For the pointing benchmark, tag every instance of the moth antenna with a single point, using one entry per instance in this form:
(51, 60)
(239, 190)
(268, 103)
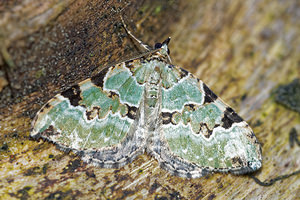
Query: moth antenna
(146, 47)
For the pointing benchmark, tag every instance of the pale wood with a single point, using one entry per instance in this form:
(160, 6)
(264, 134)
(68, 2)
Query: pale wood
(242, 49)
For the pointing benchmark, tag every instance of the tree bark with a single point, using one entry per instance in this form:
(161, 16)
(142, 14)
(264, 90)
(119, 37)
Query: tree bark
(242, 49)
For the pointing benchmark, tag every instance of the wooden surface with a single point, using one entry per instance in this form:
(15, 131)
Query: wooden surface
(242, 49)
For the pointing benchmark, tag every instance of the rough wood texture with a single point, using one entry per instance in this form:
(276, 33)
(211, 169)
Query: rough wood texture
(241, 49)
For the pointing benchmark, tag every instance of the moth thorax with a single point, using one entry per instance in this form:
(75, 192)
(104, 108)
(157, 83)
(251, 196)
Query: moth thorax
(152, 88)
(152, 100)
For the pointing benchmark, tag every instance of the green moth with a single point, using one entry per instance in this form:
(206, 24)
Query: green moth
(149, 105)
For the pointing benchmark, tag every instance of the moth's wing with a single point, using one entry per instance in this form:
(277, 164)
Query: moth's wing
(99, 117)
(199, 133)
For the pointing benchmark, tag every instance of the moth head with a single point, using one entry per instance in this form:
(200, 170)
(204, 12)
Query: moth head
(163, 46)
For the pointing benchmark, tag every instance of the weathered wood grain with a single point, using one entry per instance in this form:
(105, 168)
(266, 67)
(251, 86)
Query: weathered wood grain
(242, 49)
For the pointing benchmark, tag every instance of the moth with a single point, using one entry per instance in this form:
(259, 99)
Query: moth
(149, 105)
